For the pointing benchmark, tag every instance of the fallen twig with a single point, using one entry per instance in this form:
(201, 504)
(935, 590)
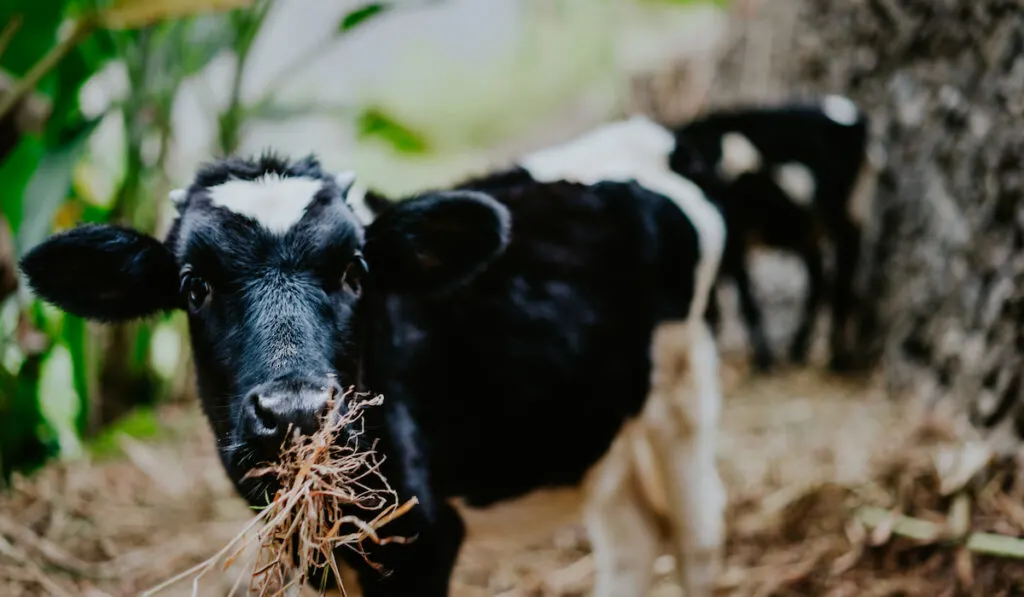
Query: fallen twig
(930, 532)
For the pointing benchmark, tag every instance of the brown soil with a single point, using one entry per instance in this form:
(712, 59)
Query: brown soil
(799, 453)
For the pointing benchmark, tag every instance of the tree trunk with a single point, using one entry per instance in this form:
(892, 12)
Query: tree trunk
(944, 83)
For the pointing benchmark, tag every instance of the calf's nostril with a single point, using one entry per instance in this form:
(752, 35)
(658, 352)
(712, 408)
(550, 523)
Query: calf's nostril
(263, 414)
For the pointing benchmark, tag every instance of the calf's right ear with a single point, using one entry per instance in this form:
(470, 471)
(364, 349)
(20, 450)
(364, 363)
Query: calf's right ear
(104, 273)
(435, 242)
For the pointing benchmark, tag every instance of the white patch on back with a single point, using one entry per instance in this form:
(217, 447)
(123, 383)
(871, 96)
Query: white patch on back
(611, 151)
(797, 181)
(638, 149)
(840, 110)
(275, 202)
(739, 156)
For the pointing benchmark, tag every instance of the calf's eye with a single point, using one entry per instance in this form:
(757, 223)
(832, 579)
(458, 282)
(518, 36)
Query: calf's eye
(198, 293)
(352, 279)
(195, 289)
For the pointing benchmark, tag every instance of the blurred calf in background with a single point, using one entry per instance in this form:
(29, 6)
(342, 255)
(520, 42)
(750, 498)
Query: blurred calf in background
(787, 177)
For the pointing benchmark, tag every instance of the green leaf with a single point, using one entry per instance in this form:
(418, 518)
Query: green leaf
(203, 38)
(134, 14)
(140, 423)
(15, 172)
(84, 61)
(59, 403)
(36, 35)
(165, 350)
(78, 341)
(361, 15)
(21, 448)
(373, 123)
(48, 188)
(273, 111)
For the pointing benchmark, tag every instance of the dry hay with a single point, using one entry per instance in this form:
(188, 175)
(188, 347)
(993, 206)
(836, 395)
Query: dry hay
(118, 526)
(325, 489)
(940, 517)
(803, 457)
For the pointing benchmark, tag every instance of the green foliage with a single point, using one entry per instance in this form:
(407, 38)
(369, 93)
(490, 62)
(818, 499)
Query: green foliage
(372, 123)
(45, 397)
(48, 188)
(51, 389)
(15, 172)
(59, 402)
(36, 34)
(141, 423)
(360, 15)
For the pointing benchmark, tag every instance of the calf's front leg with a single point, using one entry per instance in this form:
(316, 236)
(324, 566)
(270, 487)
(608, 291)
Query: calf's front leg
(422, 568)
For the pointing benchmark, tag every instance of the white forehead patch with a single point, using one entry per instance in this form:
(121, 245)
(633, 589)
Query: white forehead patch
(797, 181)
(840, 110)
(739, 156)
(275, 202)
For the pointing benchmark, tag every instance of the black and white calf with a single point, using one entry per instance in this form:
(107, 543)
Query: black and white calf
(786, 177)
(539, 343)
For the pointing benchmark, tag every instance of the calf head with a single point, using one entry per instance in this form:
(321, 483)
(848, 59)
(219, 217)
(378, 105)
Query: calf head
(700, 161)
(277, 276)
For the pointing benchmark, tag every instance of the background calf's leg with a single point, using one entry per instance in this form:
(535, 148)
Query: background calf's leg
(847, 244)
(683, 415)
(815, 291)
(751, 311)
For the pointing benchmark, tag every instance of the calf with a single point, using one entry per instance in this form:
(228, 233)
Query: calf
(539, 344)
(786, 177)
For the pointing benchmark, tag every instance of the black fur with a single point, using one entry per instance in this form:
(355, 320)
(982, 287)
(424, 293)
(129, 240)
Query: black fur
(105, 273)
(757, 210)
(437, 241)
(518, 376)
(234, 168)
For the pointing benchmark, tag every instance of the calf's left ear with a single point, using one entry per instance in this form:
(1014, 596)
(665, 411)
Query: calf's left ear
(435, 242)
(103, 272)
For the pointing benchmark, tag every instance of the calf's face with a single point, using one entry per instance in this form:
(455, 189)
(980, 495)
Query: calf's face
(276, 275)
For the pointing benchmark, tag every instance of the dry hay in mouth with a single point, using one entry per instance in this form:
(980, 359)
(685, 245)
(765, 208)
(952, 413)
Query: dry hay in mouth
(324, 485)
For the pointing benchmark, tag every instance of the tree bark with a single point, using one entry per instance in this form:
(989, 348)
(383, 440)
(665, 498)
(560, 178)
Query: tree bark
(944, 84)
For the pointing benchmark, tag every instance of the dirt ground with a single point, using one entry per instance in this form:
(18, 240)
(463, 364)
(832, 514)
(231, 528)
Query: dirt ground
(135, 521)
(800, 452)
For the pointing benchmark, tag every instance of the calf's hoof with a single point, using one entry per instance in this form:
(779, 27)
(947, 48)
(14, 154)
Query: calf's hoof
(842, 363)
(763, 361)
(798, 352)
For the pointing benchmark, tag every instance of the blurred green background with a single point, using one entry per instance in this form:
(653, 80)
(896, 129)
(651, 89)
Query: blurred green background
(105, 106)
